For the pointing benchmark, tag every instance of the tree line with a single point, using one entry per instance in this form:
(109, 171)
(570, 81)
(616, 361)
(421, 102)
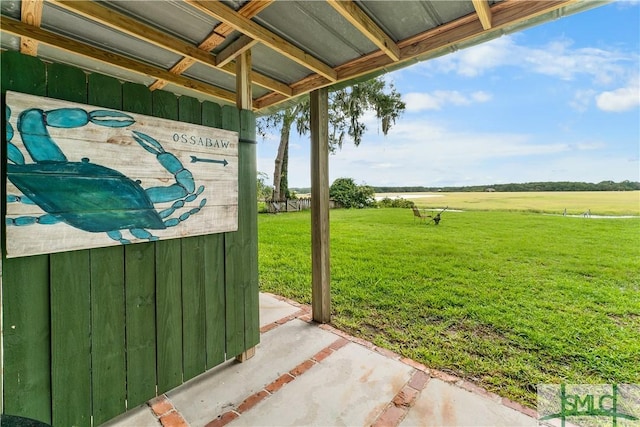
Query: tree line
(521, 187)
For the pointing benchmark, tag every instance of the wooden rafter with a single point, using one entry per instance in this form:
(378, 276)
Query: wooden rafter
(484, 12)
(191, 54)
(229, 53)
(17, 28)
(504, 14)
(30, 14)
(246, 26)
(215, 39)
(352, 13)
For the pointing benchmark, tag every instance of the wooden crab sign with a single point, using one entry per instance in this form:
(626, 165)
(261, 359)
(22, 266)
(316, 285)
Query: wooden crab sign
(82, 177)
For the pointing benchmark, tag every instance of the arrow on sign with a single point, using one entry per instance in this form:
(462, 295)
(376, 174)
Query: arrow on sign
(198, 159)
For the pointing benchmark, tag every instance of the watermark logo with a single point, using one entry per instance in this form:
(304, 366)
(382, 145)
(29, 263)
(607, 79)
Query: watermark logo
(588, 405)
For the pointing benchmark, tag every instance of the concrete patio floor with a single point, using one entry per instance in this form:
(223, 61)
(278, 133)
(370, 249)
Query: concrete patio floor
(305, 374)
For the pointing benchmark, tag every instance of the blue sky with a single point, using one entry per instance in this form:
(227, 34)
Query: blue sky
(557, 102)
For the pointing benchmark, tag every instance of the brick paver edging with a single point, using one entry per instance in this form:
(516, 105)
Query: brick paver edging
(167, 414)
(276, 385)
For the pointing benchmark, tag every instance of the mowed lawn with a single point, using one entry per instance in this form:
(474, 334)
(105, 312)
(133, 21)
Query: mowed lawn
(507, 300)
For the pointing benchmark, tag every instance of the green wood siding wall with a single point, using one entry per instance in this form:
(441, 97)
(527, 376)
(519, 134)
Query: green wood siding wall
(89, 334)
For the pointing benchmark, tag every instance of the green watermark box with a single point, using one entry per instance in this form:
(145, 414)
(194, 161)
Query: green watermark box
(589, 405)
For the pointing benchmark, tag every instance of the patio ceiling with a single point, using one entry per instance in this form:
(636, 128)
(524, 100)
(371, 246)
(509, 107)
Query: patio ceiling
(189, 47)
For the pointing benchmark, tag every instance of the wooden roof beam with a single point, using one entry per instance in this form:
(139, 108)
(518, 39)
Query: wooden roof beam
(17, 28)
(30, 14)
(235, 49)
(352, 13)
(246, 26)
(484, 12)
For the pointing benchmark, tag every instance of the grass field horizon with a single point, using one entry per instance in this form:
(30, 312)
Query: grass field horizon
(504, 298)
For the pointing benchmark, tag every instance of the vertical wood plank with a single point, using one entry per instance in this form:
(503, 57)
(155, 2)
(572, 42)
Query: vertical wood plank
(23, 73)
(193, 306)
(165, 105)
(70, 296)
(320, 269)
(108, 358)
(140, 297)
(189, 110)
(248, 225)
(234, 265)
(104, 91)
(26, 377)
(71, 338)
(168, 283)
(214, 270)
(26, 336)
(244, 243)
(211, 114)
(193, 276)
(66, 83)
(169, 313)
(136, 98)
(141, 315)
(214, 297)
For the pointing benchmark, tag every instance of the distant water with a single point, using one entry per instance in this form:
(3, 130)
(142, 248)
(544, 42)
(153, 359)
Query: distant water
(406, 196)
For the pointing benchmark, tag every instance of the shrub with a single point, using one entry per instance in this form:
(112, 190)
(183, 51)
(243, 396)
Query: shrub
(351, 195)
(398, 202)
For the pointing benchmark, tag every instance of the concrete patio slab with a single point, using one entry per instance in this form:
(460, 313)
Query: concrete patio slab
(349, 388)
(273, 309)
(444, 404)
(202, 399)
(140, 416)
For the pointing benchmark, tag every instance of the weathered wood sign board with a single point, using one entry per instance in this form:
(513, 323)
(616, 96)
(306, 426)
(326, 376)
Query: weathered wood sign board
(81, 177)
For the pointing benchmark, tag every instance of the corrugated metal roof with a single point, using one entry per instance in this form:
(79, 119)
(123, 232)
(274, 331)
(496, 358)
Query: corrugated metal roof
(301, 45)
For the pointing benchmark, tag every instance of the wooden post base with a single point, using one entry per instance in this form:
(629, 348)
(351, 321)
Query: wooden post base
(246, 355)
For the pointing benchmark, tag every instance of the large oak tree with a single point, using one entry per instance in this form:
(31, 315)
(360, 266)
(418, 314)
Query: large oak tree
(347, 108)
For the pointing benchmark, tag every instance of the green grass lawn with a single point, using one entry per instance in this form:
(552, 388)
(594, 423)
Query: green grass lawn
(505, 299)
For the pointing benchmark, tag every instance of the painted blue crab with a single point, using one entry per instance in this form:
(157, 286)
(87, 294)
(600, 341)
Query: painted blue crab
(89, 196)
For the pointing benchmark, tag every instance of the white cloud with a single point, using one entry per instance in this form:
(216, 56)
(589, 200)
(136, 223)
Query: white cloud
(621, 99)
(582, 99)
(557, 58)
(625, 4)
(476, 60)
(420, 101)
(481, 96)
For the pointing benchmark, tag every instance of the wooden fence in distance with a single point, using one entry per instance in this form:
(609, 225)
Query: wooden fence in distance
(294, 205)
